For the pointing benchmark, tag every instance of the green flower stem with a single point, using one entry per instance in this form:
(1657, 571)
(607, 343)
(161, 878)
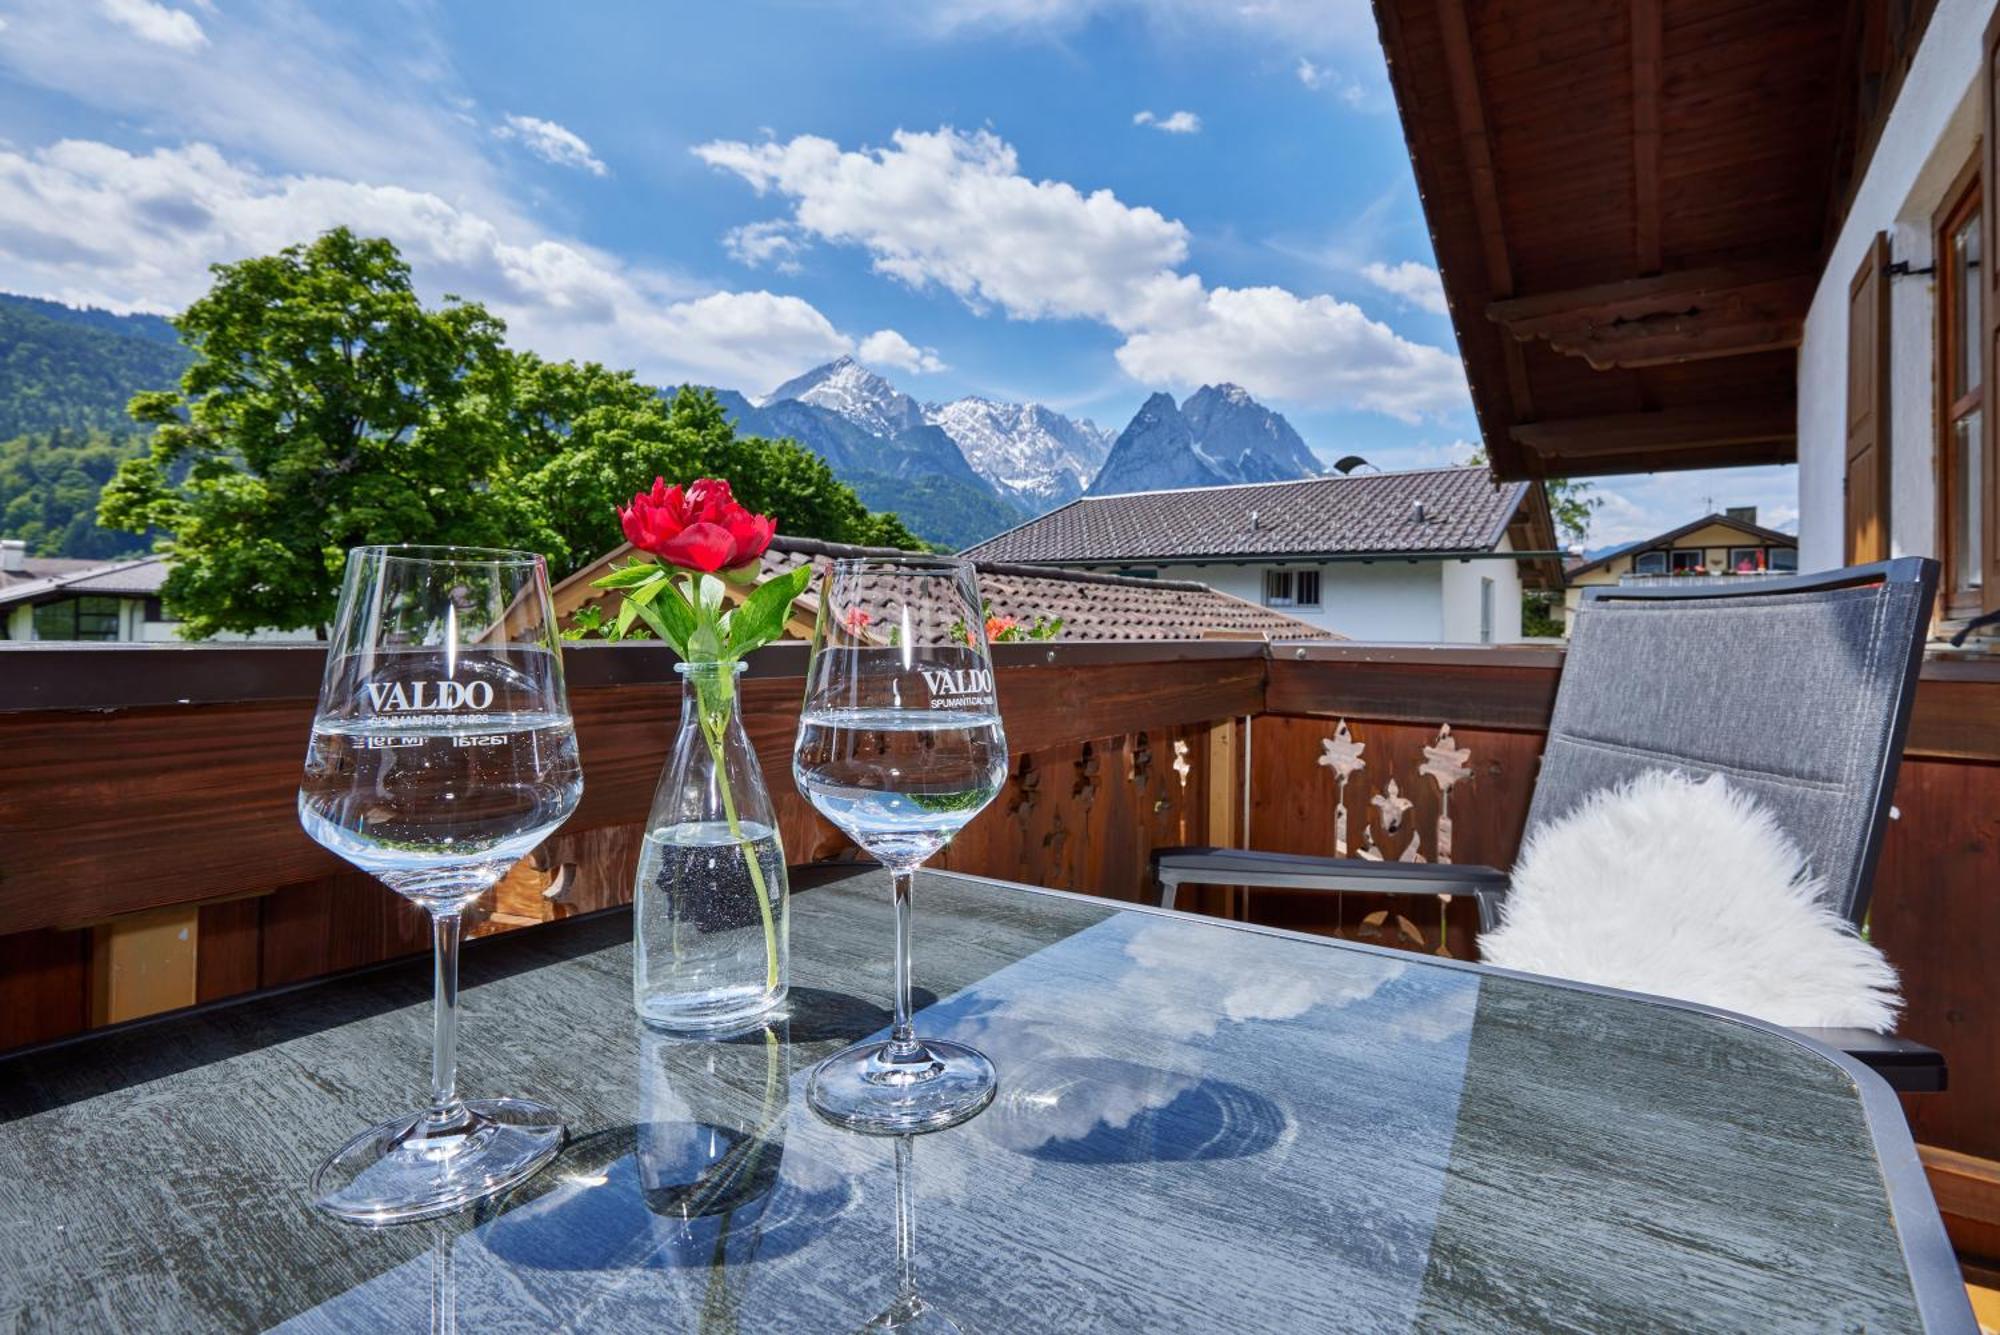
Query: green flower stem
(714, 723)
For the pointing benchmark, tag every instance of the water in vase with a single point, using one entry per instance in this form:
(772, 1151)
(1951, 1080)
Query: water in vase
(701, 958)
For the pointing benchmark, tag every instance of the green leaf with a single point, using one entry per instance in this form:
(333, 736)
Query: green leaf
(646, 593)
(712, 591)
(628, 612)
(654, 622)
(744, 574)
(676, 619)
(761, 618)
(624, 576)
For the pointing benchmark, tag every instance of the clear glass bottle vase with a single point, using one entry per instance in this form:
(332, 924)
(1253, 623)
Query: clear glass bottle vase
(711, 910)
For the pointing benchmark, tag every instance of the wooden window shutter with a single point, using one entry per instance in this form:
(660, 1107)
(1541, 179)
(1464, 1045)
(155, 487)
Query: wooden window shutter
(1989, 300)
(1868, 407)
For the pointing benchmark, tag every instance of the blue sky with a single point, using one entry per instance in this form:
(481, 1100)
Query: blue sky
(1075, 201)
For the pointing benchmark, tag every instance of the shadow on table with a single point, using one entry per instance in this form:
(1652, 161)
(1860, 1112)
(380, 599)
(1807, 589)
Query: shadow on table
(102, 1061)
(1101, 1110)
(663, 1197)
(818, 1014)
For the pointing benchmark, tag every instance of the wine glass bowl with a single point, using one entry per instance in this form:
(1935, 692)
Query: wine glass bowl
(900, 744)
(442, 753)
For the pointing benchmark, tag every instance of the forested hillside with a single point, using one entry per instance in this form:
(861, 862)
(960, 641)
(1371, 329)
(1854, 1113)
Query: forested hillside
(76, 369)
(49, 482)
(65, 378)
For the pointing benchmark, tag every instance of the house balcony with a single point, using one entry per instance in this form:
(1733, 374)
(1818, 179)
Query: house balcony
(151, 859)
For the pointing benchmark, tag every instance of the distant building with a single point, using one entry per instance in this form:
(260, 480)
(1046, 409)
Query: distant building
(1432, 556)
(1090, 606)
(60, 598)
(1727, 545)
(56, 598)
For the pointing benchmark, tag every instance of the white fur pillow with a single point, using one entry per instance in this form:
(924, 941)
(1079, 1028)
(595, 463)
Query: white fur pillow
(1689, 890)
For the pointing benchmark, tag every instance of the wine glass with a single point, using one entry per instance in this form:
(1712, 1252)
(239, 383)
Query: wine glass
(442, 753)
(900, 745)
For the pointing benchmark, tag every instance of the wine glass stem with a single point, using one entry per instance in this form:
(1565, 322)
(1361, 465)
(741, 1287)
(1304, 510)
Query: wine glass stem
(446, 1110)
(902, 1036)
(906, 1227)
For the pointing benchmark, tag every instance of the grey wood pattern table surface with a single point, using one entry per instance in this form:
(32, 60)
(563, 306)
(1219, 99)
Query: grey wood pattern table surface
(1201, 1126)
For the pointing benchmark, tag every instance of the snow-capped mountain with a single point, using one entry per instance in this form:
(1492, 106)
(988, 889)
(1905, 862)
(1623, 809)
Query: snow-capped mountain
(846, 387)
(1218, 435)
(1032, 453)
(1246, 440)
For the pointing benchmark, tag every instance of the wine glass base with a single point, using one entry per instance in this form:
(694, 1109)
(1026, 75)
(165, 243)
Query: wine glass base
(397, 1172)
(914, 1317)
(862, 1089)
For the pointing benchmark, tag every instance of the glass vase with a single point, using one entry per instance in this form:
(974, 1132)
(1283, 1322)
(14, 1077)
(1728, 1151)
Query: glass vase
(711, 910)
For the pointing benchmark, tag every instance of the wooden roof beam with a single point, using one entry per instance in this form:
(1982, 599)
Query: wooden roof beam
(1646, 80)
(1687, 315)
(1710, 426)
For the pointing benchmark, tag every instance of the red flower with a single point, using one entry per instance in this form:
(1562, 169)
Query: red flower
(855, 620)
(702, 528)
(996, 627)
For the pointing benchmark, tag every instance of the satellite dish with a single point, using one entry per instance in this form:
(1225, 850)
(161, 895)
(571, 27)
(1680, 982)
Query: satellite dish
(1350, 463)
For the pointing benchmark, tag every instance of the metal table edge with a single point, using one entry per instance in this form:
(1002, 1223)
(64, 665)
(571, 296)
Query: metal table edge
(1935, 1280)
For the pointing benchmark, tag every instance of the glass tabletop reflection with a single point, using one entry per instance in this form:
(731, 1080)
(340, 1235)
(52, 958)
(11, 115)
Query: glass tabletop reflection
(1199, 1126)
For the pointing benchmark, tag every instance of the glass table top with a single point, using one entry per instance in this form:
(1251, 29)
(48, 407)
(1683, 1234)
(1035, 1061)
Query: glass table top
(1199, 1126)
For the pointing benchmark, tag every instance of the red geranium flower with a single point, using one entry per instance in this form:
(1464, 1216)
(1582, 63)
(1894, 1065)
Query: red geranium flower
(855, 620)
(702, 528)
(998, 626)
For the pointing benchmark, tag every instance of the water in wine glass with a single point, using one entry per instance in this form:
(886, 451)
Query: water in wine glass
(901, 782)
(439, 806)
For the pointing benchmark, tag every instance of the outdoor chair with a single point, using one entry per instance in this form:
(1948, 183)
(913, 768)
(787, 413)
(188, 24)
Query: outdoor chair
(1798, 689)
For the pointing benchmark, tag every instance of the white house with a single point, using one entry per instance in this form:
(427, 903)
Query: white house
(1896, 449)
(1428, 556)
(59, 598)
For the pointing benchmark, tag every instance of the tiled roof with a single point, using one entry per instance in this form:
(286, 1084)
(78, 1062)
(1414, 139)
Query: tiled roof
(1462, 510)
(38, 568)
(1091, 607)
(138, 577)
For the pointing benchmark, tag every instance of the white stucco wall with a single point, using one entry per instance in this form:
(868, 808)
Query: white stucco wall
(1385, 602)
(1929, 137)
(1462, 579)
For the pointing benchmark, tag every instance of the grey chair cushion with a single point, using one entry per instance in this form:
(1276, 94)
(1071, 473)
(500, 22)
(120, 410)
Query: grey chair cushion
(1795, 696)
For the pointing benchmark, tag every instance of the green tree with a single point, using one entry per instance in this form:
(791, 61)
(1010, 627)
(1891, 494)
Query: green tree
(587, 438)
(327, 408)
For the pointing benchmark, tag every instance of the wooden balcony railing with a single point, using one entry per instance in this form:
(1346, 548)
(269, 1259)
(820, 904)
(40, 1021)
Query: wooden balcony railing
(150, 855)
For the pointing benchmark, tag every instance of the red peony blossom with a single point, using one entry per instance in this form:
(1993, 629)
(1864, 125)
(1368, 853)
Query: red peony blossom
(702, 528)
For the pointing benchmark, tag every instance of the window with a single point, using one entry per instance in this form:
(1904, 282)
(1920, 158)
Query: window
(1961, 403)
(1688, 561)
(1650, 563)
(1746, 560)
(78, 619)
(1785, 558)
(1291, 588)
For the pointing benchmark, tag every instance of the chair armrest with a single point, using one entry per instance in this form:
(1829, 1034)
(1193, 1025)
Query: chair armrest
(1906, 1064)
(1175, 867)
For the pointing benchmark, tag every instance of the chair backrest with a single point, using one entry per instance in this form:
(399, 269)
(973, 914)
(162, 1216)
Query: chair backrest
(1798, 690)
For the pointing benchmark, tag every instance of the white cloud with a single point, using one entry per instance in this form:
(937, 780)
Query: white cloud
(1306, 349)
(551, 143)
(885, 348)
(952, 210)
(1178, 122)
(88, 222)
(156, 23)
(1311, 75)
(776, 243)
(1322, 23)
(362, 92)
(1415, 284)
